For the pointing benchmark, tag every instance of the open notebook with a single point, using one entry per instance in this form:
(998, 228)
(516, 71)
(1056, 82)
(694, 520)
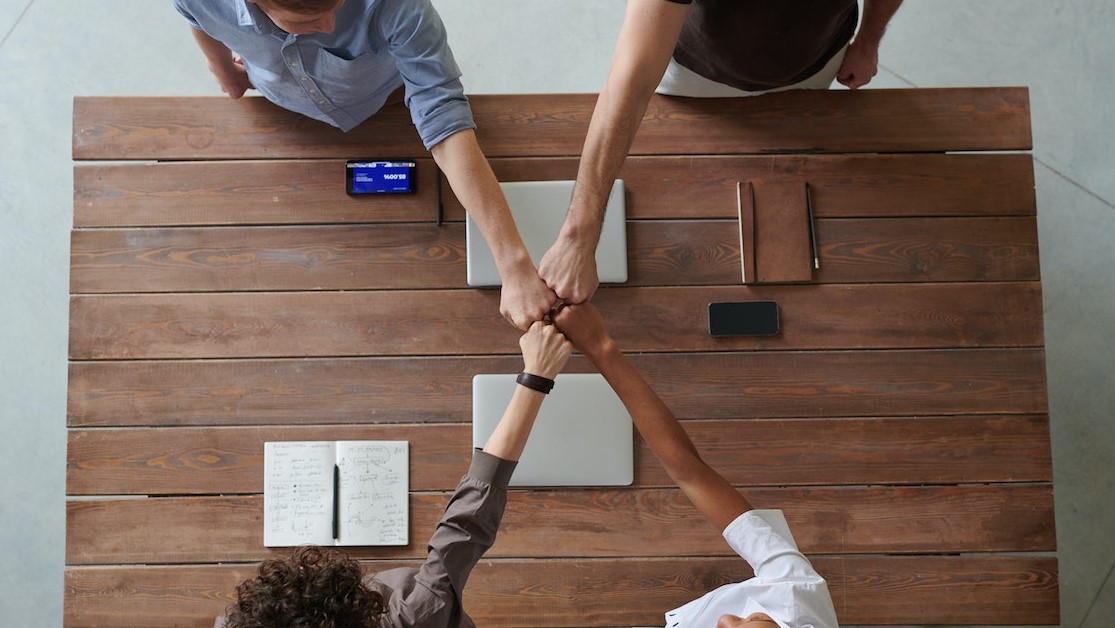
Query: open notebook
(539, 209)
(582, 437)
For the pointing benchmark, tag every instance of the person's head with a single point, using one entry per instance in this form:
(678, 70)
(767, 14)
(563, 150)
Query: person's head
(314, 587)
(302, 17)
(754, 620)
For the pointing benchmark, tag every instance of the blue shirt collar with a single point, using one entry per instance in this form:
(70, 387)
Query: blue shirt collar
(248, 14)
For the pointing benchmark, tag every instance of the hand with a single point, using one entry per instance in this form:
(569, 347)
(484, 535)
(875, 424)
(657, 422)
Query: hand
(525, 299)
(583, 325)
(569, 269)
(545, 350)
(861, 63)
(233, 79)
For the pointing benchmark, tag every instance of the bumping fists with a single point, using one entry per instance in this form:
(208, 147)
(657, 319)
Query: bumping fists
(545, 350)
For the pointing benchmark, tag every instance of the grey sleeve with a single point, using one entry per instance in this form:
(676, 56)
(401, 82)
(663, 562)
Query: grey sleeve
(466, 530)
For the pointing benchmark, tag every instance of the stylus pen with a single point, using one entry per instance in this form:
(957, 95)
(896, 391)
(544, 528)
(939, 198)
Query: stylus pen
(439, 210)
(336, 499)
(812, 227)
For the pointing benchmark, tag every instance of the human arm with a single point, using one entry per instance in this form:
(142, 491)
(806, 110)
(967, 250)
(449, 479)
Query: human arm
(225, 66)
(646, 41)
(417, 41)
(472, 517)
(708, 490)
(524, 297)
(861, 60)
(545, 351)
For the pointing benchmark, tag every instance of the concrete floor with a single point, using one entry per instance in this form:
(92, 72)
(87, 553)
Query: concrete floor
(52, 50)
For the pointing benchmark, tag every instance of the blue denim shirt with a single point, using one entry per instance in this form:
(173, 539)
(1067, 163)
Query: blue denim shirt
(344, 77)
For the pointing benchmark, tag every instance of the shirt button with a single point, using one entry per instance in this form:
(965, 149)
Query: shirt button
(294, 64)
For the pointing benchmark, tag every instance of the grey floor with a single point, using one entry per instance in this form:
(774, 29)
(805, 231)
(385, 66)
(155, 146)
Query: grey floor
(52, 50)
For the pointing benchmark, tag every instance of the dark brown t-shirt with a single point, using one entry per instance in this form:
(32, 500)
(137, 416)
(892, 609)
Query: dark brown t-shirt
(756, 45)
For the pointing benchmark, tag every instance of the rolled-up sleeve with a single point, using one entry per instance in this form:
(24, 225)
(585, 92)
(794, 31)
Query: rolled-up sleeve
(763, 539)
(416, 39)
(181, 8)
(466, 530)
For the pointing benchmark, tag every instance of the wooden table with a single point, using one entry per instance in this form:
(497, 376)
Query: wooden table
(225, 292)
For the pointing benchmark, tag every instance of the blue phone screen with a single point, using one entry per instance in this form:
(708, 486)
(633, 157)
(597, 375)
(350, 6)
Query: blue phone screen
(380, 177)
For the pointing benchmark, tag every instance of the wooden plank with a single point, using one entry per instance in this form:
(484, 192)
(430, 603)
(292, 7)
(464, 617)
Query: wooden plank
(268, 258)
(606, 592)
(928, 249)
(312, 191)
(586, 522)
(755, 452)
(509, 125)
(389, 323)
(844, 186)
(250, 192)
(423, 390)
(662, 253)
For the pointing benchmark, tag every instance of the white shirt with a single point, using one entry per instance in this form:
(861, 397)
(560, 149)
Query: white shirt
(785, 586)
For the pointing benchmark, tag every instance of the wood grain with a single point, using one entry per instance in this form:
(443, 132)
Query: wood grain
(656, 187)
(592, 523)
(247, 192)
(725, 385)
(516, 125)
(865, 590)
(428, 257)
(755, 452)
(397, 323)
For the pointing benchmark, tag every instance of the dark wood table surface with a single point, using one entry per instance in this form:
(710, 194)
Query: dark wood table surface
(225, 292)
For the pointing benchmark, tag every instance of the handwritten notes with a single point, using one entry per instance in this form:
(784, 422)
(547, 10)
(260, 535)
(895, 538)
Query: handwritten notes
(369, 503)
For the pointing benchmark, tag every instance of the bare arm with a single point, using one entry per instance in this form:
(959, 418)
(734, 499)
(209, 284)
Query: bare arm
(646, 41)
(707, 489)
(545, 351)
(524, 298)
(861, 61)
(226, 67)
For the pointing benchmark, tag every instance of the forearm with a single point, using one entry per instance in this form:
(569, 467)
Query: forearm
(876, 15)
(655, 422)
(646, 41)
(467, 170)
(510, 436)
(615, 121)
(217, 55)
(714, 496)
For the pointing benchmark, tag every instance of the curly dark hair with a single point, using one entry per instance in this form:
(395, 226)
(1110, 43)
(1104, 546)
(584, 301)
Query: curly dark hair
(314, 588)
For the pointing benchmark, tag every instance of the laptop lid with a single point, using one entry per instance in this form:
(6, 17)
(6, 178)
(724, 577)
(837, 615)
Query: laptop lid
(582, 436)
(539, 209)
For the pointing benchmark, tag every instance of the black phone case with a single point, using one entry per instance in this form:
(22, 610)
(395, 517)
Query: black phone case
(743, 318)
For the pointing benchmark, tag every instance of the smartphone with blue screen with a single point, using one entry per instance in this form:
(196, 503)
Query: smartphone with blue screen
(368, 176)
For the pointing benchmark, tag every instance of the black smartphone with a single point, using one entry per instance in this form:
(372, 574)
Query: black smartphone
(366, 176)
(743, 318)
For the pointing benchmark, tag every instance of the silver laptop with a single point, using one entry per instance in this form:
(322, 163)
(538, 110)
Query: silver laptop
(539, 209)
(582, 437)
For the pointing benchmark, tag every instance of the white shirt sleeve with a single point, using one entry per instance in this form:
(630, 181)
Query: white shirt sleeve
(763, 539)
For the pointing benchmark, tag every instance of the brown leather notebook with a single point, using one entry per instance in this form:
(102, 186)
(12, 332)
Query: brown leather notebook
(775, 233)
